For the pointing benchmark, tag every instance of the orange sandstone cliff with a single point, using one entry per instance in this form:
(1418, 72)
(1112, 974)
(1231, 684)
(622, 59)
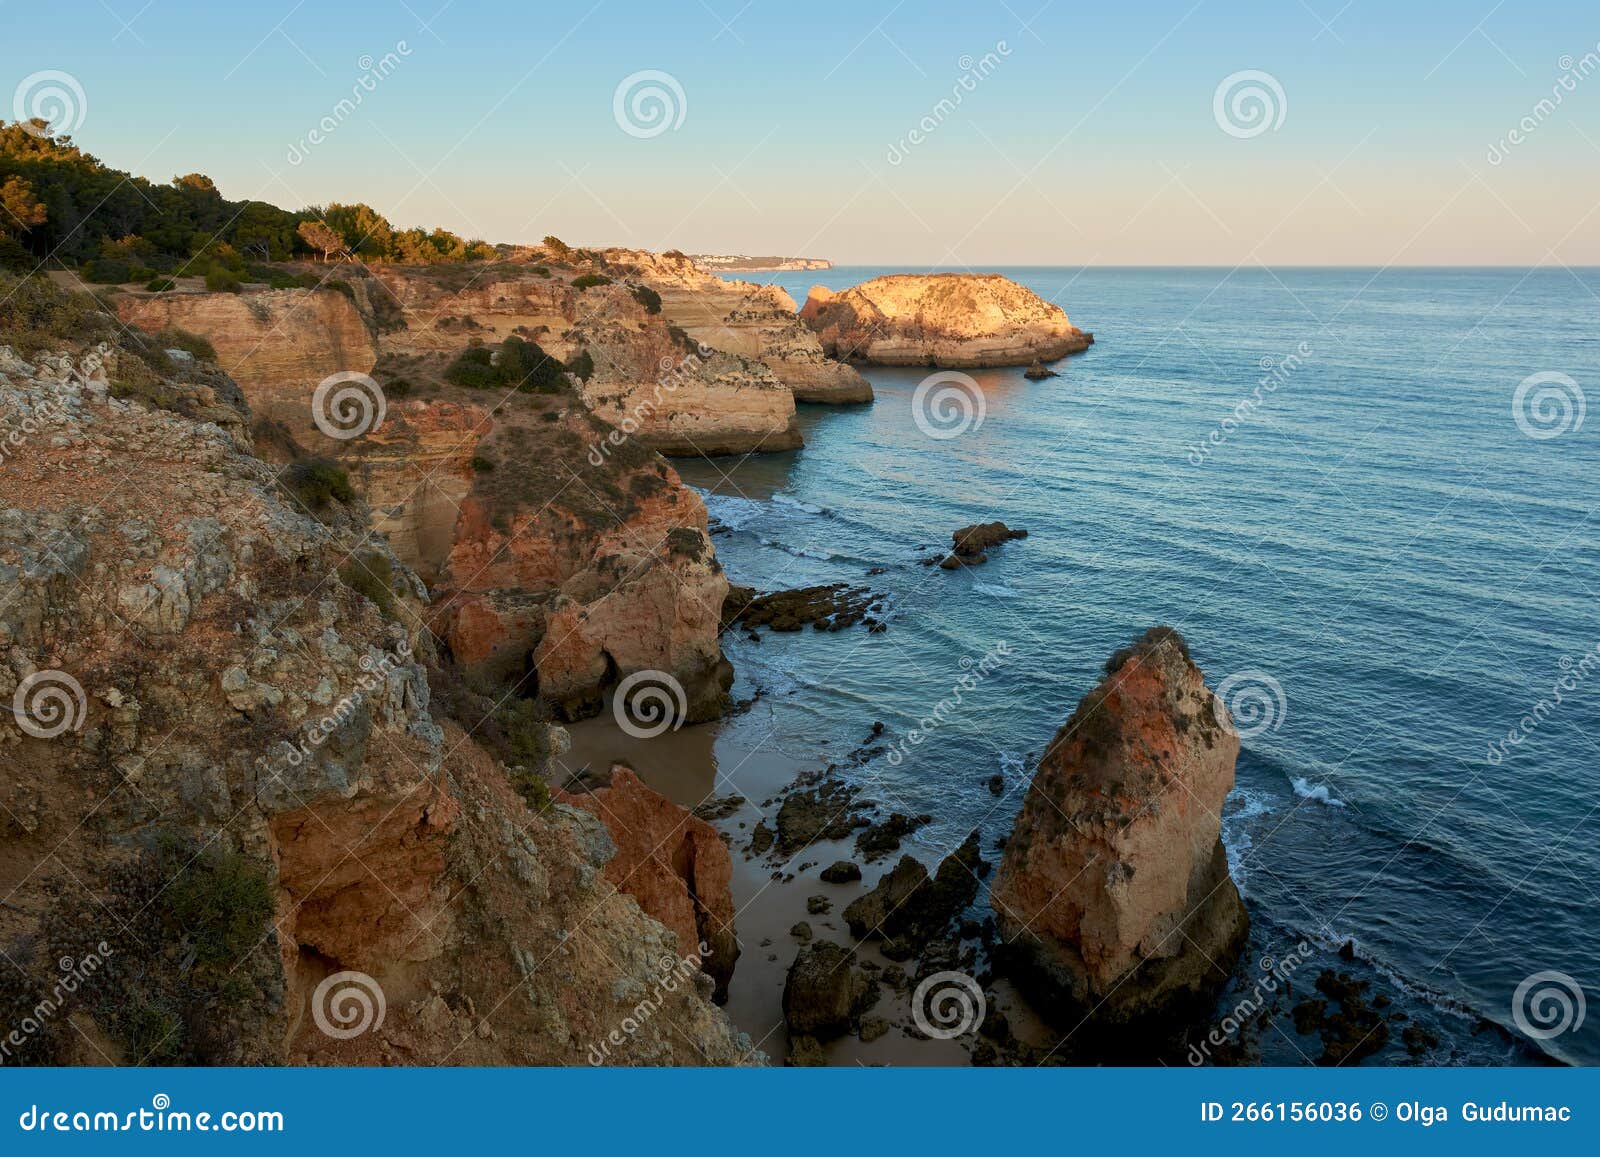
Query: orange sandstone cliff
(951, 320)
(1113, 896)
(230, 779)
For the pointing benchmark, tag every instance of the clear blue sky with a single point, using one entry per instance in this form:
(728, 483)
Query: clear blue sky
(1093, 137)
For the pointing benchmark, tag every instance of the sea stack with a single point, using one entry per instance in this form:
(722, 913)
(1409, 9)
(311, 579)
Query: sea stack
(951, 320)
(1113, 896)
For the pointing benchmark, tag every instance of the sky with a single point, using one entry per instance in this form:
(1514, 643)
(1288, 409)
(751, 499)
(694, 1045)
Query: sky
(925, 134)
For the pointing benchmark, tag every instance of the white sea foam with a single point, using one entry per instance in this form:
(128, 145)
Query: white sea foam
(731, 510)
(796, 504)
(996, 591)
(815, 552)
(1304, 789)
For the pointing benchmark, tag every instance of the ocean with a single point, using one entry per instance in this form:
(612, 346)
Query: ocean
(1336, 485)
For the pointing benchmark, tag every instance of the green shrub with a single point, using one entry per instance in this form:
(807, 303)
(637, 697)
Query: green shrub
(190, 977)
(482, 465)
(108, 271)
(582, 366)
(160, 284)
(473, 368)
(647, 297)
(317, 480)
(191, 343)
(370, 575)
(220, 279)
(589, 281)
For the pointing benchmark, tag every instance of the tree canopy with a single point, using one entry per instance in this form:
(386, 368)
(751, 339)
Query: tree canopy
(58, 201)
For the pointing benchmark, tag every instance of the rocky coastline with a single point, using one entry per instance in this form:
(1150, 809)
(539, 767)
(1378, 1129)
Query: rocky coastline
(945, 320)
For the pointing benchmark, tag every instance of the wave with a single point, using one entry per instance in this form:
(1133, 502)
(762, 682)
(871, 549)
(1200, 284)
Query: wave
(731, 510)
(1305, 790)
(797, 504)
(799, 551)
(996, 590)
(1236, 841)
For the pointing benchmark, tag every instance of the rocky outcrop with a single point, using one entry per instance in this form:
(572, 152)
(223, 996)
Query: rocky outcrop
(238, 793)
(674, 864)
(909, 908)
(952, 320)
(553, 542)
(277, 344)
(753, 321)
(1113, 896)
(676, 396)
(970, 545)
(825, 991)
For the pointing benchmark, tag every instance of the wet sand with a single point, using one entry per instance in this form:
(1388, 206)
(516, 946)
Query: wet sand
(739, 755)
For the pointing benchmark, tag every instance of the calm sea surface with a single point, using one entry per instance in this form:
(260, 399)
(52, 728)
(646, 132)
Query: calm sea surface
(1396, 569)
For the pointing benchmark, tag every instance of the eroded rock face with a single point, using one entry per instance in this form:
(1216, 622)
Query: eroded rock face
(953, 320)
(277, 344)
(240, 694)
(674, 864)
(1113, 896)
(754, 321)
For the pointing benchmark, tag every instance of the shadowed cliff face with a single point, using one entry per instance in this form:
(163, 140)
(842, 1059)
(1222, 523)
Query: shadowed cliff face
(952, 320)
(1113, 896)
(209, 689)
(673, 863)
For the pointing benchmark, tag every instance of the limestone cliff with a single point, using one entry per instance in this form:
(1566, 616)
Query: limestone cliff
(673, 863)
(1113, 896)
(554, 544)
(951, 320)
(277, 344)
(225, 780)
(751, 320)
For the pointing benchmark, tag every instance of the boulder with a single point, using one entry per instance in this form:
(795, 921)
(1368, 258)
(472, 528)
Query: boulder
(825, 992)
(674, 864)
(1113, 895)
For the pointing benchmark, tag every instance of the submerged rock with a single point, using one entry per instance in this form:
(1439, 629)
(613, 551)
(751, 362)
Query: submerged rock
(970, 544)
(1113, 895)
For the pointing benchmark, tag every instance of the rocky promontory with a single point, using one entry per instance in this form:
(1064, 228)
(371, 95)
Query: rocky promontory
(235, 774)
(1113, 897)
(951, 320)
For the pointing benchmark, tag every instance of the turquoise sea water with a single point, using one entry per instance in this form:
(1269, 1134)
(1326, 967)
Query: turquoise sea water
(1380, 538)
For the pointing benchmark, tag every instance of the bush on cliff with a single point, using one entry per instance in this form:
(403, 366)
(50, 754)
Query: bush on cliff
(517, 363)
(220, 279)
(314, 482)
(647, 297)
(370, 575)
(590, 281)
(191, 968)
